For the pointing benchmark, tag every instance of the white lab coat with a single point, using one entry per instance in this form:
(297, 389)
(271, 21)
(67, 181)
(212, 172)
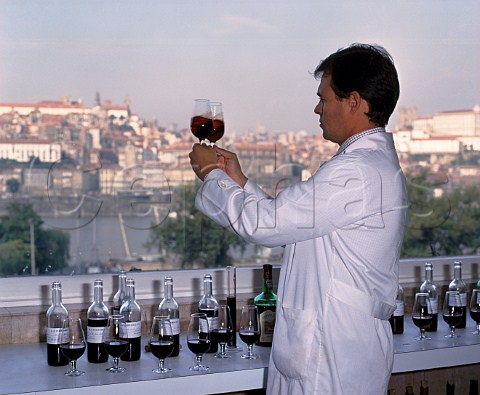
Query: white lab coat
(342, 230)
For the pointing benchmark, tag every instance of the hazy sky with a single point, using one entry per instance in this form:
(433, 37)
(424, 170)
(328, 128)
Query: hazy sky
(256, 56)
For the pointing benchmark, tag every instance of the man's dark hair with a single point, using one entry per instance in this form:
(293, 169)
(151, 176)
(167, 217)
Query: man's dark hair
(368, 70)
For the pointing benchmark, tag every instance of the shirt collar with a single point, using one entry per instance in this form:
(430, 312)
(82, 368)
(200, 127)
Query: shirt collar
(356, 137)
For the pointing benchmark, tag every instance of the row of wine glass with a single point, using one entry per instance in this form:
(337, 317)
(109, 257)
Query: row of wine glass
(201, 330)
(452, 312)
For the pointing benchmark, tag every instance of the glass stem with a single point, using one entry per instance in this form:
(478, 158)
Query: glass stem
(222, 348)
(199, 359)
(250, 349)
(73, 364)
(115, 362)
(160, 363)
(478, 328)
(452, 331)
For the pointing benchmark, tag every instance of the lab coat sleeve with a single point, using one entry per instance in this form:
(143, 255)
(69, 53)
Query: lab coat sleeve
(335, 197)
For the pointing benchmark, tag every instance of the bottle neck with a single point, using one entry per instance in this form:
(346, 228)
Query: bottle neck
(130, 290)
(457, 272)
(207, 288)
(428, 274)
(122, 283)
(267, 280)
(168, 293)
(98, 293)
(56, 296)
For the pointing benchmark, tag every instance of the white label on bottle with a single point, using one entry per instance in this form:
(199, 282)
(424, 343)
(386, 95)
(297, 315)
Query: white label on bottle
(433, 308)
(213, 323)
(267, 323)
(456, 300)
(399, 308)
(175, 322)
(204, 325)
(478, 298)
(94, 334)
(133, 329)
(463, 299)
(54, 335)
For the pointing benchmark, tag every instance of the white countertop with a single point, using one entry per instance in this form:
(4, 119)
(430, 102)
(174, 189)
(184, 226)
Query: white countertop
(23, 367)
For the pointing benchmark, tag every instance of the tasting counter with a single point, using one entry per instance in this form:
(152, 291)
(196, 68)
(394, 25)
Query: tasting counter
(24, 370)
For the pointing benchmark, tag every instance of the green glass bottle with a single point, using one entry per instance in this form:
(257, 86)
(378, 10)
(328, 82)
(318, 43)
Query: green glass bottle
(266, 303)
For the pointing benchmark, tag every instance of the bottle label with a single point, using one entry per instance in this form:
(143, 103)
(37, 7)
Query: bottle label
(463, 299)
(132, 330)
(54, 335)
(267, 323)
(175, 325)
(433, 308)
(399, 308)
(204, 325)
(212, 323)
(94, 334)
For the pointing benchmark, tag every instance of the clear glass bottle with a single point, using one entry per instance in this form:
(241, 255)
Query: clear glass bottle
(97, 317)
(133, 324)
(207, 305)
(429, 287)
(457, 284)
(169, 307)
(266, 303)
(56, 314)
(121, 294)
(397, 318)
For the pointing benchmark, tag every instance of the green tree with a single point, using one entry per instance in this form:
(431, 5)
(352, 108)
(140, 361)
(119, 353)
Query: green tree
(51, 246)
(13, 185)
(191, 236)
(441, 225)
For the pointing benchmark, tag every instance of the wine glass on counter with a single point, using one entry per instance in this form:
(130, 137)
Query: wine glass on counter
(223, 330)
(161, 341)
(218, 128)
(422, 315)
(201, 123)
(249, 329)
(198, 339)
(73, 344)
(452, 311)
(115, 341)
(475, 309)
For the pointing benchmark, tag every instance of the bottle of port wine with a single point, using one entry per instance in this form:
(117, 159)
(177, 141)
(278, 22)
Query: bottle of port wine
(169, 307)
(429, 287)
(457, 284)
(133, 324)
(207, 305)
(121, 294)
(397, 318)
(56, 314)
(97, 318)
(266, 303)
(232, 304)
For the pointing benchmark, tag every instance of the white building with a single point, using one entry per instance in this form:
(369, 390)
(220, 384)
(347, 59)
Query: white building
(24, 150)
(451, 123)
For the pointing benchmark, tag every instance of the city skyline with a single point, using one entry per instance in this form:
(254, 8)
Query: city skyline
(256, 58)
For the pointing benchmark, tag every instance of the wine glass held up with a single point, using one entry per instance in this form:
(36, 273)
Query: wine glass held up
(161, 341)
(249, 329)
(201, 123)
(115, 341)
(475, 309)
(198, 339)
(218, 128)
(452, 311)
(223, 330)
(422, 315)
(73, 344)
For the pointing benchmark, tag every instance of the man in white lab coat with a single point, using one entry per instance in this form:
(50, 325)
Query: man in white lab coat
(342, 230)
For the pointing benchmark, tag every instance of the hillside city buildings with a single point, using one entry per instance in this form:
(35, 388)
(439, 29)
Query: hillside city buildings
(66, 148)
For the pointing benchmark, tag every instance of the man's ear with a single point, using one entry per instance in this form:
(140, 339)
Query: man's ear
(357, 103)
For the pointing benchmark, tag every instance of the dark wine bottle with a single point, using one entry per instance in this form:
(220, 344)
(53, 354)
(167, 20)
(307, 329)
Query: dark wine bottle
(397, 318)
(133, 324)
(232, 304)
(97, 317)
(450, 389)
(207, 305)
(457, 284)
(409, 390)
(121, 294)
(429, 287)
(56, 314)
(169, 307)
(424, 387)
(266, 303)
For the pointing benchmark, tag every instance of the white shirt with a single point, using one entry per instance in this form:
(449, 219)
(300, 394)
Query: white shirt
(342, 230)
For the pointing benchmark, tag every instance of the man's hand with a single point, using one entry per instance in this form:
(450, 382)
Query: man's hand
(228, 162)
(203, 160)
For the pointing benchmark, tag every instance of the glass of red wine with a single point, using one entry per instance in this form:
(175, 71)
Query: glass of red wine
(218, 123)
(201, 123)
(161, 341)
(452, 311)
(475, 309)
(198, 339)
(223, 329)
(249, 330)
(422, 315)
(73, 344)
(115, 341)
